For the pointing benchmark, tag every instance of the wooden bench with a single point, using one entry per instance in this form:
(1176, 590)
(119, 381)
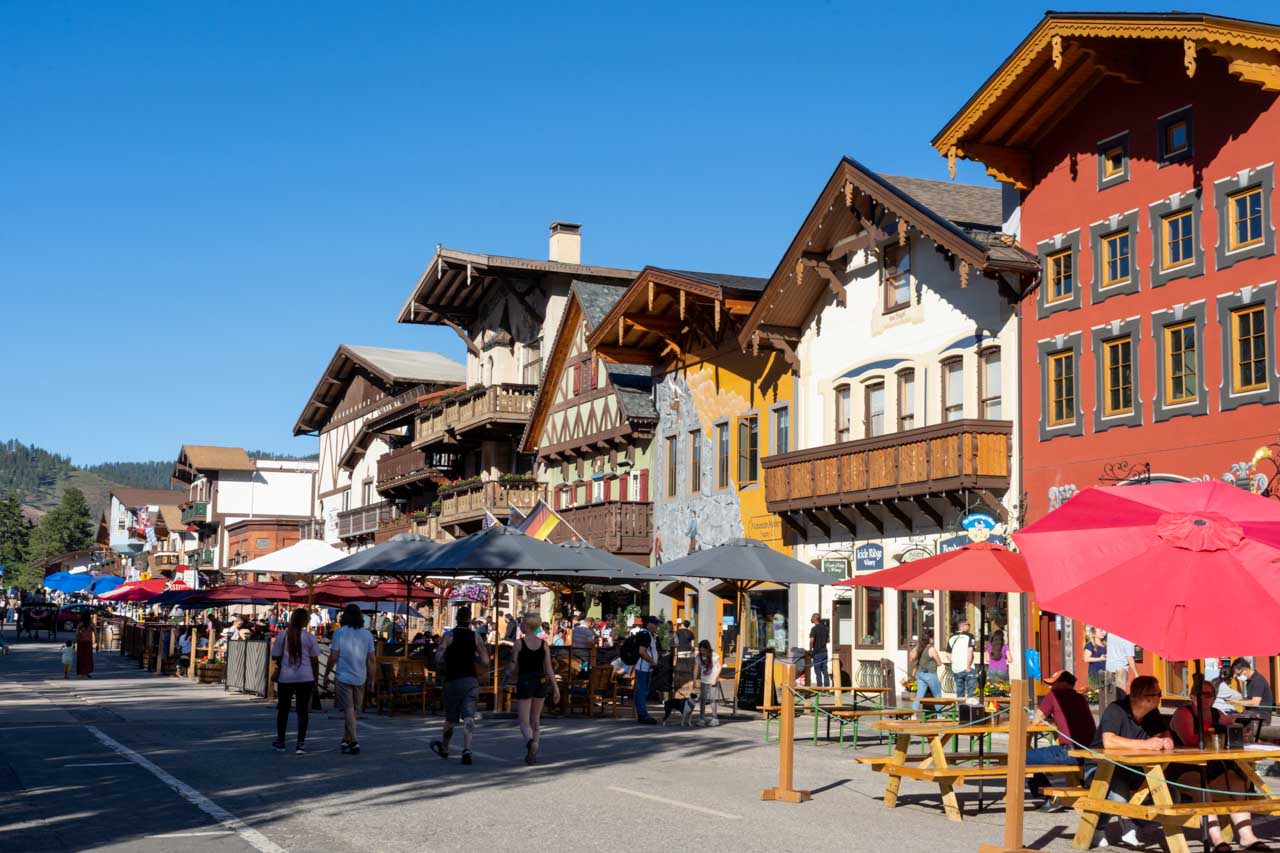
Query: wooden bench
(1190, 812)
(854, 715)
(1065, 795)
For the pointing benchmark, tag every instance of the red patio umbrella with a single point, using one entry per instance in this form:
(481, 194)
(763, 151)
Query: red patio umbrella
(337, 591)
(1187, 570)
(136, 590)
(977, 567)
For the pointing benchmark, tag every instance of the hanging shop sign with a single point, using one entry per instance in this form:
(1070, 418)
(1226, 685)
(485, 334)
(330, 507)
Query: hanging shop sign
(869, 557)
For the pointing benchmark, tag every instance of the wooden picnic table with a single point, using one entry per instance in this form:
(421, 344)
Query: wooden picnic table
(846, 713)
(1154, 800)
(937, 766)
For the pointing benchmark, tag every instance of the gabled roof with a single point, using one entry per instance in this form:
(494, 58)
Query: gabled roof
(632, 384)
(148, 497)
(171, 519)
(205, 457)
(1068, 54)
(858, 209)
(455, 281)
(392, 370)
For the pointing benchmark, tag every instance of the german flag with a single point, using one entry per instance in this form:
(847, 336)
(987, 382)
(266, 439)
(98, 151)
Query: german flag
(540, 522)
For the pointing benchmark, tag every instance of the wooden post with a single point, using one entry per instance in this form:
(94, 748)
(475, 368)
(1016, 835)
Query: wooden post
(191, 663)
(784, 675)
(1015, 784)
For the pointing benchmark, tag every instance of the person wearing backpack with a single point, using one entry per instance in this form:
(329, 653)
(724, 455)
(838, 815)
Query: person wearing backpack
(960, 648)
(640, 650)
(460, 652)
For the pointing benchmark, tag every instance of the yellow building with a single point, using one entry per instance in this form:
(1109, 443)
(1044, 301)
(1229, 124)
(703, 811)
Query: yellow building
(720, 411)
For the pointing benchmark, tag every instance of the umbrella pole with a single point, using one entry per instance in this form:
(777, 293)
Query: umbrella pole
(1197, 691)
(742, 647)
(406, 617)
(982, 685)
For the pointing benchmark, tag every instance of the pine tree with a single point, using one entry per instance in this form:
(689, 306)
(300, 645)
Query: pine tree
(67, 527)
(15, 530)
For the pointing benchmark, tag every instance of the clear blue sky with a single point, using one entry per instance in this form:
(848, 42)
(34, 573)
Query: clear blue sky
(199, 202)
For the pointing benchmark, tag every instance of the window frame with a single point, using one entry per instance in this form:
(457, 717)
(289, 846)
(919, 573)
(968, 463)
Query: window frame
(1167, 240)
(1237, 360)
(1099, 233)
(1167, 156)
(984, 356)
(1101, 337)
(1112, 386)
(1169, 332)
(868, 388)
(695, 461)
(1228, 252)
(1233, 224)
(776, 414)
(673, 465)
(903, 376)
(1162, 408)
(724, 455)
(1056, 247)
(1108, 259)
(1058, 259)
(843, 413)
(888, 283)
(752, 468)
(1229, 307)
(1054, 359)
(1160, 214)
(944, 367)
(1107, 178)
(861, 601)
(910, 601)
(1045, 349)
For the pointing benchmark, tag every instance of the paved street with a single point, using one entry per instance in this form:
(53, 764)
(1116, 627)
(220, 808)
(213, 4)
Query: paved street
(129, 761)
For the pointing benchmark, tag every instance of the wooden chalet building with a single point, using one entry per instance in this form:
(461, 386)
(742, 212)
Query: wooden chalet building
(372, 483)
(1140, 148)
(506, 310)
(719, 411)
(895, 304)
(591, 430)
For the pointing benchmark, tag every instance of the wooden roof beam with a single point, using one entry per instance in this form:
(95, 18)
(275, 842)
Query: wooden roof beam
(1260, 67)
(627, 355)
(823, 269)
(656, 324)
(1007, 165)
(846, 246)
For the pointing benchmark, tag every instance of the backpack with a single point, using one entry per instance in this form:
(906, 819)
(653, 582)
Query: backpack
(630, 653)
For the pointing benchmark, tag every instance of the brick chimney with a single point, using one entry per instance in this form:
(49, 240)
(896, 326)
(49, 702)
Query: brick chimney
(566, 242)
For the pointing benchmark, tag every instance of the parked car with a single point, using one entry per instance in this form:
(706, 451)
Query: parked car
(71, 615)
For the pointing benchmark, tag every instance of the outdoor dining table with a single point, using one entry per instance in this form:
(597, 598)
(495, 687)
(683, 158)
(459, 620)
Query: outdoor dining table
(813, 695)
(1154, 800)
(937, 766)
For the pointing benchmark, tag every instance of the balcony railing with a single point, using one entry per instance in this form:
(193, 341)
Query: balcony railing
(313, 529)
(364, 520)
(620, 527)
(965, 454)
(467, 504)
(419, 523)
(447, 420)
(406, 466)
(201, 557)
(195, 512)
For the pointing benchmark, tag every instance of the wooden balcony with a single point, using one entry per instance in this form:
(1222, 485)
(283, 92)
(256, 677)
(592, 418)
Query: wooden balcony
(490, 408)
(354, 523)
(899, 472)
(420, 523)
(462, 508)
(407, 467)
(620, 527)
(195, 512)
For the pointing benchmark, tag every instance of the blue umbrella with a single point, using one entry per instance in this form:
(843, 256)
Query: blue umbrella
(67, 582)
(104, 583)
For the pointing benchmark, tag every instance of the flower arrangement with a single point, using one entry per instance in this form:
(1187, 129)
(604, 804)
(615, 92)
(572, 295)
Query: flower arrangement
(909, 685)
(995, 687)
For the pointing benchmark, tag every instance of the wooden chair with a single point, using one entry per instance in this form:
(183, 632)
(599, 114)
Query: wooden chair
(406, 683)
(603, 689)
(624, 692)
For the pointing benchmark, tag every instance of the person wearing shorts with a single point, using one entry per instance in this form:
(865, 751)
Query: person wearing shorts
(352, 651)
(458, 656)
(534, 679)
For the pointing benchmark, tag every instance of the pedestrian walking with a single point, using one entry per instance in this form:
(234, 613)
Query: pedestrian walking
(960, 648)
(925, 659)
(297, 657)
(68, 659)
(645, 638)
(352, 652)
(84, 647)
(462, 657)
(1121, 668)
(1095, 654)
(819, 637)
(706, 670)
(534, 679)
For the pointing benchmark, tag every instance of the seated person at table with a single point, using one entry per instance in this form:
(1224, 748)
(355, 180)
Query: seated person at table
(1257, 692)
(1221, 775)
(1068, 711)
(1134, 724)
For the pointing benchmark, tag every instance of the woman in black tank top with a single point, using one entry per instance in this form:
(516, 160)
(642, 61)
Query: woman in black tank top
(534, 679)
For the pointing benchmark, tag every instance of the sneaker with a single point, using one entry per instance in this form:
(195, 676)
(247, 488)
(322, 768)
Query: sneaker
(647, 721)
(277, 745)
(345, 748)
(1130, 838)
(354, 748)
(300, 749)
(714, 722)
(531, 752)
(437, 746)
(466, 756)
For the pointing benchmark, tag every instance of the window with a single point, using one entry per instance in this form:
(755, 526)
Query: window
(695, 462)
(1246, 218)
(1062, 388)
(906, 400)
(1180, 367)
(782, 429)
(869, 620)
(1248, 349)
(1113, 161)
(874, 409)
(1174, 136)
(1118, 377)
(261, 544)
(1177, 240)
(915, 615)
(991, 386)
(722, 456)
(1115, 259)
(952, 390)
(673, 464)
(1061, 276)
(366, 493)
(895, 274)
(597, 490)
(748, 449)
(842, 413)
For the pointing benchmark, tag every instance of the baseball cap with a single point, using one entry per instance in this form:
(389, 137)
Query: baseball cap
(651, 620)
(1062, 675)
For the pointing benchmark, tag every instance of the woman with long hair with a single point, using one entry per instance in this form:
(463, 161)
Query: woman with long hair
(535, 677)
(997, 653)
(706, 672)
(297, 657)
(84, 646)
(924, 659)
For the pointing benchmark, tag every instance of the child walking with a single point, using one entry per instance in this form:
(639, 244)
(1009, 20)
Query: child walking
(68, 658)
(706, 671)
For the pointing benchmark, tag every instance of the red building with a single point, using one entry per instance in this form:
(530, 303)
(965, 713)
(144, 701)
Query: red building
(1142, 151)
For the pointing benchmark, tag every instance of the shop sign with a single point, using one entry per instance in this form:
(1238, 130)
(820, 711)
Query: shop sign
(869, 557)
(766, 528)
(964, 539)
(915, 552)
(837, 567)
(978, 526)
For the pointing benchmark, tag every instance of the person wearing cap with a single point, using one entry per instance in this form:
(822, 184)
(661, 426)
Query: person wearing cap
(1068, 711)
(644, 668)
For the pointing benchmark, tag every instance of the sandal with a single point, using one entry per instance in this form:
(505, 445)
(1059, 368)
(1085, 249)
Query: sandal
(1258, 845)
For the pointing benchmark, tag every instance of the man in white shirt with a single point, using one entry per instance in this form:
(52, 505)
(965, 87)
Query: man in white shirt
(314, 622)
(960, 647)
(1121, 667)
(644, 669)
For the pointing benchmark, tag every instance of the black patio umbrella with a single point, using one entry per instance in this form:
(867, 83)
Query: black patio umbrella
(743, 565)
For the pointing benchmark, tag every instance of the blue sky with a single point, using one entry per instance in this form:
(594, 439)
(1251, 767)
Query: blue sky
(201, 201)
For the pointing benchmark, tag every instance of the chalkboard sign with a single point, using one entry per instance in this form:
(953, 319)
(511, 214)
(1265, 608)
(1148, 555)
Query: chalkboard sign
(751, 683)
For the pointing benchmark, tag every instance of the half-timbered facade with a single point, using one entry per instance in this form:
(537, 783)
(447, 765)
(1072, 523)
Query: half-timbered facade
(895, 303)
(591, 431)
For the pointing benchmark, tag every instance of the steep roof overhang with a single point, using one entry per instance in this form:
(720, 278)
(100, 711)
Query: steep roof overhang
(856, 210)
(342, 368)
(666, 318)
(1068, 54)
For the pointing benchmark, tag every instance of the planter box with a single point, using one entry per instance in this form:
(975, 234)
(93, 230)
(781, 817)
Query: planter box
(210, 673)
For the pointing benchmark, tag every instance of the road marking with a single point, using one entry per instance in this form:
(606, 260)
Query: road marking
(102, 764)
(191, 834)
(250, 835)
(682, 805)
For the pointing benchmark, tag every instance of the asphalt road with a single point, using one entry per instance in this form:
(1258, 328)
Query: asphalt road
(131, 761)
